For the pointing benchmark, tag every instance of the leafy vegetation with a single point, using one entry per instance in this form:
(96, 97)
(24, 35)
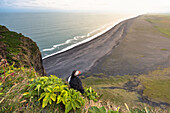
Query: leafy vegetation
(91, 94)
(23, 90)
(12, 84)
(52, 90)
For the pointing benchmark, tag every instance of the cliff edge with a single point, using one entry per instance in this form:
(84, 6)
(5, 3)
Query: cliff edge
(20, 49)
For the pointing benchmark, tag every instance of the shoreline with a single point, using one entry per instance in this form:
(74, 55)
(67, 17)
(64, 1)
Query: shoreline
(83, 56)
(90, 38)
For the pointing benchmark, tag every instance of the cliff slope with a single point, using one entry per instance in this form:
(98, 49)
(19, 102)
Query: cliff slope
(20, 49)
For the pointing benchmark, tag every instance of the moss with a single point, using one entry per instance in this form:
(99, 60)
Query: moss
(120, 96)
(156, 85)
(100, 75)
(151, 20)
(157, 90)
(102, 86)
(140, 56)
(161, 22)
(117, 80)
(163, 49)
(164, 30)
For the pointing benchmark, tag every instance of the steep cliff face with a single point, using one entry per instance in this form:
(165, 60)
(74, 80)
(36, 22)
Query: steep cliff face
(20, 49)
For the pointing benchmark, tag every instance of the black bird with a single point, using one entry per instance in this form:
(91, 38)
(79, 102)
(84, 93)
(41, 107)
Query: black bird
(75, 81)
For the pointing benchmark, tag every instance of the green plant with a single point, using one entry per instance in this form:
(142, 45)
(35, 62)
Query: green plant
(12, 85)
(91, 94)
(95, 109)
(71, 99)
(45, 87)
(53, 91)
(7, 77)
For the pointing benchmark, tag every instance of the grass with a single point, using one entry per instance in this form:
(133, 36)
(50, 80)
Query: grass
(13, 88)
(157, 83)
(157, 90)
(163, 49)
(155, 86)
(151, 20)
(161, 22)
(93, 80)
(140, 56)
(118, 96)
(18, 47)
(164, 30)
(12, 42)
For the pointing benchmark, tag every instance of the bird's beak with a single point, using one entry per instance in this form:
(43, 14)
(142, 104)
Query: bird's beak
(79, 72)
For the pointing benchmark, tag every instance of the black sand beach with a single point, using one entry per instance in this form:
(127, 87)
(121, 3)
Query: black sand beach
(84, 56)
(133, 46)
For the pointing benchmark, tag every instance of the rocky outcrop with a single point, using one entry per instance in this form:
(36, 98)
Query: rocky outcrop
(20, 49)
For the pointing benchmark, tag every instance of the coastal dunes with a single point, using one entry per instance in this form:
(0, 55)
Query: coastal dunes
(133, 46)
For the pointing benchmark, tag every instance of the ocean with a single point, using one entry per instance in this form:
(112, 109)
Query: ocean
(58, 32)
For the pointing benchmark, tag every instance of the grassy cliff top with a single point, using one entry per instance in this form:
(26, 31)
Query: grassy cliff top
(11, 41)
(22, 50)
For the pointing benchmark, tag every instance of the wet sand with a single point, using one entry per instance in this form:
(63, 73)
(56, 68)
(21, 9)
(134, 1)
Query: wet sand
(84, 56)
(133, 46)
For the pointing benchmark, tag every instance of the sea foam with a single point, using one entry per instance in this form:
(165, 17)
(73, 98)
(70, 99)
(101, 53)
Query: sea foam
(76, 38)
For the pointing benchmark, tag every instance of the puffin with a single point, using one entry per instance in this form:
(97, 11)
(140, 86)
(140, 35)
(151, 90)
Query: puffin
(75, 82)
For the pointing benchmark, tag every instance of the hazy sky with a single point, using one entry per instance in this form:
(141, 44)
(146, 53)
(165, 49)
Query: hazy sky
(124, 6)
